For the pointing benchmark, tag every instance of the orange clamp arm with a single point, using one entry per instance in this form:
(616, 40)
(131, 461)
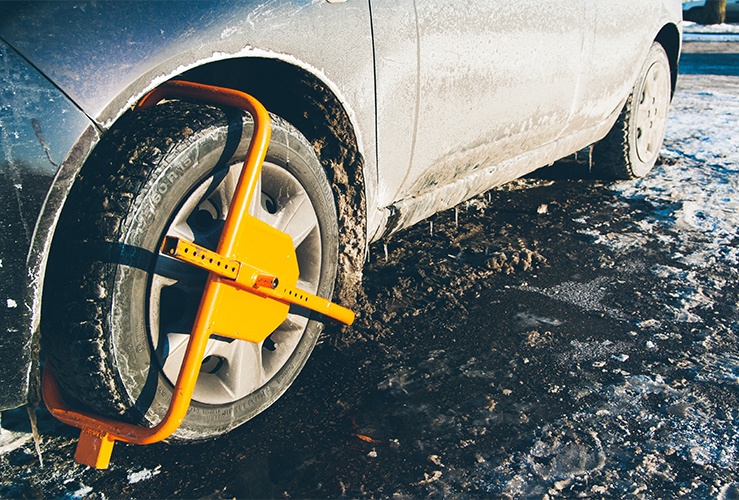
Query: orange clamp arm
(98, 433)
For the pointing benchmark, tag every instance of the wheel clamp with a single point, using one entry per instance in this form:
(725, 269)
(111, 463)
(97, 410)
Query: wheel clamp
(254, 271)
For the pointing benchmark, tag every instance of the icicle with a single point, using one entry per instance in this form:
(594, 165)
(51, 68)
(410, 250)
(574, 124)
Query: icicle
(384, 245)
(431, 227)
(456, 217)
(590, 159)
(36, 436)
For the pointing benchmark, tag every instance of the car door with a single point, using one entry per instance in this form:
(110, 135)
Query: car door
(395, 40)
(623, 35)
(495, 79)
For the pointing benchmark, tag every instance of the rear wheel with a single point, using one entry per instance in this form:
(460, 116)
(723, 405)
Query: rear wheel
(632, 146)
(117, 337)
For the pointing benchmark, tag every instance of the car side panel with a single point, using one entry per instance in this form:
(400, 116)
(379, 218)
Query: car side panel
(624, 32)
(496, 79)
(395, 34)
(38, 127)
(603, 83)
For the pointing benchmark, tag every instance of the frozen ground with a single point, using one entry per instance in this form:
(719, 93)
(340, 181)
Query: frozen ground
(557, 337)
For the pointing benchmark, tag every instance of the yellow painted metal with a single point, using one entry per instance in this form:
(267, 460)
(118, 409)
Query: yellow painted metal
(200, 256)
(241, 309)
(94, 449)
(248, 305)
(268, 273)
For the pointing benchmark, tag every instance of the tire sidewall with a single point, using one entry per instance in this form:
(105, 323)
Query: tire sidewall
(171, 181)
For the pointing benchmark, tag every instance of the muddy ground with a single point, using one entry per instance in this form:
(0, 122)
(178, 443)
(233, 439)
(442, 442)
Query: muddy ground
(559, 336)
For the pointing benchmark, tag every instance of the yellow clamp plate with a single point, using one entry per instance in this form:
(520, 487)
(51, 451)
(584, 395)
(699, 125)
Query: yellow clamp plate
(253, 295)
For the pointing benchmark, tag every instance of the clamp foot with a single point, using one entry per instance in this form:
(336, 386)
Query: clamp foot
(94, 449)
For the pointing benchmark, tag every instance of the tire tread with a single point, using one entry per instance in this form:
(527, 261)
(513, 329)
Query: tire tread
(75, 327)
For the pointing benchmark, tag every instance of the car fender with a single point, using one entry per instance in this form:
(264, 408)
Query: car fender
(41, 133)
(102, 76)
(106, 73)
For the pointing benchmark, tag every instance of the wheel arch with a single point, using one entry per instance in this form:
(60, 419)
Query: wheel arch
(669, 38)
(304, 100)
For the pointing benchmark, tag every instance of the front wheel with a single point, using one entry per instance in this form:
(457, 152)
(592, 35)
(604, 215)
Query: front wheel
(632, 146)
(118, 336)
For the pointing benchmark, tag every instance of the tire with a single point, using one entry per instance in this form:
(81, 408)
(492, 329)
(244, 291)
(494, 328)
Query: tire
(117, 314)
(632, 146)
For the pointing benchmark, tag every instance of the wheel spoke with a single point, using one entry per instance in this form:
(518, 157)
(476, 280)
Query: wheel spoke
(297, 219)
(255, 207)
(293, 323)
(225, 190)
(243, 371)
(220, 347)
(240, 373)
(176, 349)
(285, 339)
(308, 286)
(181, 230)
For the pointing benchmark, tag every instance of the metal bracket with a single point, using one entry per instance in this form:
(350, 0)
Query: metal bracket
(254, 271)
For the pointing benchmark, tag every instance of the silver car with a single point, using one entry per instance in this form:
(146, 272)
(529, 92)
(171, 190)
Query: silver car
(383, 113)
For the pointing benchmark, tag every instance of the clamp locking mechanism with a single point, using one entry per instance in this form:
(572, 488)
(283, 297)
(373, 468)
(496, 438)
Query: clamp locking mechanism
(251, 285)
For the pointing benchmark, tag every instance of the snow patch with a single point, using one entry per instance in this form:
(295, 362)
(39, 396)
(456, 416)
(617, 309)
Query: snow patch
(721, 368)
(691, 28)
(82, 492)
(698, 195)
(143, 475)
(587, 296)
(694, 199)
(615, 241)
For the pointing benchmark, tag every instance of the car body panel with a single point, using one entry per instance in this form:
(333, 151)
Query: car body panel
(38, 128)
(480, 79)
(398, 80)
(445, 100)
(105, 73)
(591, 72)
(620, 45)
